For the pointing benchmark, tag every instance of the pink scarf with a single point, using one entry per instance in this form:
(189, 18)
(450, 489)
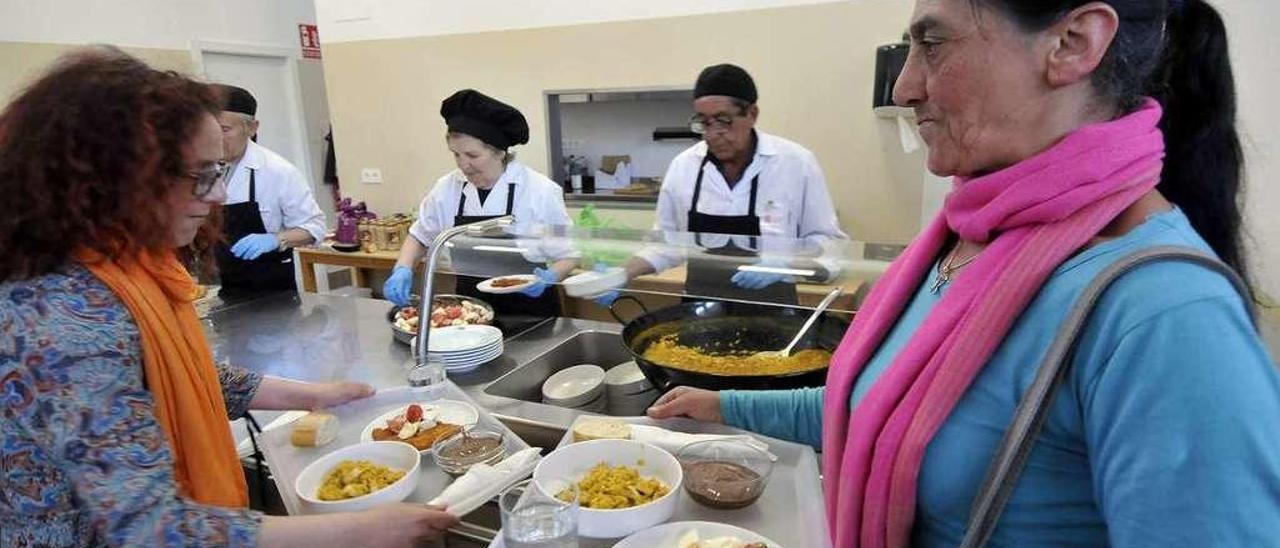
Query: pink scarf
(1034, 215)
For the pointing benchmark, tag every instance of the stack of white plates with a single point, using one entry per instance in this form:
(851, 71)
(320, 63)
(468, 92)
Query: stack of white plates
(463, 348)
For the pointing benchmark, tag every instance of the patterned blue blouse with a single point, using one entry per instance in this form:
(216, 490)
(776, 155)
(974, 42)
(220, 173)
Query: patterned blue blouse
(84, 461)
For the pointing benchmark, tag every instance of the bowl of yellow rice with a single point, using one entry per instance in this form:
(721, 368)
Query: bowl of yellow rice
(623, 485)
(359, 477)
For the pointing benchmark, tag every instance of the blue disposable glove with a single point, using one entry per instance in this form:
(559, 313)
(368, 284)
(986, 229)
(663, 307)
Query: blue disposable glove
(254, 245)
(396, 289)
(606, 299)
(545, 279)
(747, 279)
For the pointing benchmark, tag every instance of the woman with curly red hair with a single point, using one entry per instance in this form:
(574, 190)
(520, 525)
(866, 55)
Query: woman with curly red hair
(115, 427)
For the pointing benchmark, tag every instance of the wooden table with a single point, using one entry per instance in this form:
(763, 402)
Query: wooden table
(309, 257)
(670, 282)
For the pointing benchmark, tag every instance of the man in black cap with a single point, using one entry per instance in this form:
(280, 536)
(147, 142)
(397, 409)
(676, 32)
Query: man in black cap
(488, 183)
(733, 187)
(270, 208)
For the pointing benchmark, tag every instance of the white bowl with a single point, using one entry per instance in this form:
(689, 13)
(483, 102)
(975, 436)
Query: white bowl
(574, 386)
(392, 454)
(572, 462)
(625, 379)
(631, 404)
(595, 282)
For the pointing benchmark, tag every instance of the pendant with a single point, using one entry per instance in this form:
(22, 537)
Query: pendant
(938, 283)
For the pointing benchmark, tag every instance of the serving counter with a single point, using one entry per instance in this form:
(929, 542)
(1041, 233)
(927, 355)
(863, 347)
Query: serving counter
(326, 338)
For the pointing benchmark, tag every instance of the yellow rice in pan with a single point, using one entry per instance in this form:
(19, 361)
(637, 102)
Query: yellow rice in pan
(669, 352)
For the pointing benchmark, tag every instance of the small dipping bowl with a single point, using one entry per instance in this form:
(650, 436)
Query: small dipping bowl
(724, 474)
(458, 453)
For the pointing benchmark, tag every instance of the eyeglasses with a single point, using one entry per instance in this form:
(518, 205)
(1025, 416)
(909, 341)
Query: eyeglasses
(207, 177)
(719, 122)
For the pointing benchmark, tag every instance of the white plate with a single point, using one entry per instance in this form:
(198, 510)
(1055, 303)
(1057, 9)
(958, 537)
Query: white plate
(487, 285)
(462, 338)
(667, 534)
(446, 356)
(594, 283)
(451, 411)
(470, 363)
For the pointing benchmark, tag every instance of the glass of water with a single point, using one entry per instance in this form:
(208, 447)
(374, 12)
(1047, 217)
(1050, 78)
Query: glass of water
(532, 518)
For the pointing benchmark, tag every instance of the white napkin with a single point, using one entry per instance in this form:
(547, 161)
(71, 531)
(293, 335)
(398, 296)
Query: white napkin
(483, 482)
(673, 441)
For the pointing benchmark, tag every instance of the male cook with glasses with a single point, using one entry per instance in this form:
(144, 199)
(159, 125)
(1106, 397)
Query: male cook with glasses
(270, 208)
(733, 187)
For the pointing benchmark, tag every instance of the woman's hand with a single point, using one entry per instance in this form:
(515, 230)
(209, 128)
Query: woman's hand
(403, 524)
(682, 401)
(331, 394)
(391, 526)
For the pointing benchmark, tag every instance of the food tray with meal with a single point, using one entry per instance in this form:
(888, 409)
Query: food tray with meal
(784, 509)
(446, 310)
(397, 414)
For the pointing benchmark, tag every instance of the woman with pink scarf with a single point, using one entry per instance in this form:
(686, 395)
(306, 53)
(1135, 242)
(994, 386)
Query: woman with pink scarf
(1077, 133)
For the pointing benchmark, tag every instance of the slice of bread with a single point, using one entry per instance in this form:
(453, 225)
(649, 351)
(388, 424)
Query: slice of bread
(314, 429)
(593, 428)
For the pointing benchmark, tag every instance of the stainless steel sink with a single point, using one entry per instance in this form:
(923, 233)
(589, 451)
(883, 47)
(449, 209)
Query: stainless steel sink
(601, 348)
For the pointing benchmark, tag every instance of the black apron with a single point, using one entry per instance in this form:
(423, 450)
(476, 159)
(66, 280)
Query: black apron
(509, 304)
(711, 277)
(271, 271)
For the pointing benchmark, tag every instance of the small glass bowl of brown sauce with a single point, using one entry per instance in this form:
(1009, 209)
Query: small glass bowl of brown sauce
(724, 474)
(458, 453)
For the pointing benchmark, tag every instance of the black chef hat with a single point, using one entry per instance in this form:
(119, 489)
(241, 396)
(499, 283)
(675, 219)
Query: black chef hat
(725, 79)
(239, 100)
(485, 118)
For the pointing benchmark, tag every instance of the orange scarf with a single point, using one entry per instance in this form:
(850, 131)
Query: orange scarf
(179, 372)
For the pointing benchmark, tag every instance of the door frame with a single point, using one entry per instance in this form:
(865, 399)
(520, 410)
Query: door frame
(293, 87)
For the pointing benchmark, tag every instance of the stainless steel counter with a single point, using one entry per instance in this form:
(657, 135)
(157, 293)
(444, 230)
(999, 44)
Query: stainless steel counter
(320, 338)
(325, 338)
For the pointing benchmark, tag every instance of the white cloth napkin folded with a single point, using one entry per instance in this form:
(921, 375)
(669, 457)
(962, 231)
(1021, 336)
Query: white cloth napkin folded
(673, 441)
(483, 482)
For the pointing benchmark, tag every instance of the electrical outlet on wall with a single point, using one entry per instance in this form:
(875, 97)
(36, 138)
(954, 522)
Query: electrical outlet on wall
(571, 144)
(371, 176)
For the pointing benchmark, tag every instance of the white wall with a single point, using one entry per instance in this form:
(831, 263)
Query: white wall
(625, 127)
(352, 20)
(165, 24)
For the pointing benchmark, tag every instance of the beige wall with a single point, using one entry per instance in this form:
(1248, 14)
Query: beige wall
(22, 62)
(1255, 48)
(812, 64)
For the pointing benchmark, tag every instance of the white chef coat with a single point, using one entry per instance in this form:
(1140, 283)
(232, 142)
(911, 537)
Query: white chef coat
(538, 201)
(284, 198)
(792, 199)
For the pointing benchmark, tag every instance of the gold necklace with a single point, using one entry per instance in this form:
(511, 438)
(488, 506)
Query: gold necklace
(948, 267)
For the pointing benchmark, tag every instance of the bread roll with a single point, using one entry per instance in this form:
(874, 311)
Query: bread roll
(591, 428)
(314, 429)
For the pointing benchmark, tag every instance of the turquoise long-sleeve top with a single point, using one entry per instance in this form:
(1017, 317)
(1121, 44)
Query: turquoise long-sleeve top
(1166, 433)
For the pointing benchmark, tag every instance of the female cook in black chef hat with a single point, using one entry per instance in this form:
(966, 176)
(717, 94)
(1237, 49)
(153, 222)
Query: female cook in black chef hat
(487, 183)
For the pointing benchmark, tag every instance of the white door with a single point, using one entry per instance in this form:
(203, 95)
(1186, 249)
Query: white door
(272, 82)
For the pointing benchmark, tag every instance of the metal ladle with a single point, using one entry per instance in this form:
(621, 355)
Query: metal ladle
(813, 318)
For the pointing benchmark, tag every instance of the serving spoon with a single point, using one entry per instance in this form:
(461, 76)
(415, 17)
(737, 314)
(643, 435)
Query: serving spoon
(813, 318)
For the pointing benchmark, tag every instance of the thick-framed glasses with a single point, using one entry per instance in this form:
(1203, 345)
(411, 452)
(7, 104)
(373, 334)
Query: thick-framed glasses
(207, 177)
(719, 122)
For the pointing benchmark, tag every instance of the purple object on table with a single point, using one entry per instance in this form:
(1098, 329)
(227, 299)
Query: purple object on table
(349, 217)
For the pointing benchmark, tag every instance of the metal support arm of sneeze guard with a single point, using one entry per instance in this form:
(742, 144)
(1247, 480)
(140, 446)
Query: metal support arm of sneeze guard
(428, 274)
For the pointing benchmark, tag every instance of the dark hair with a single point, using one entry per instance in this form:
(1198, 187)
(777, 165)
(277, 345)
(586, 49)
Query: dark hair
(1177, 53)
(87, 154)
